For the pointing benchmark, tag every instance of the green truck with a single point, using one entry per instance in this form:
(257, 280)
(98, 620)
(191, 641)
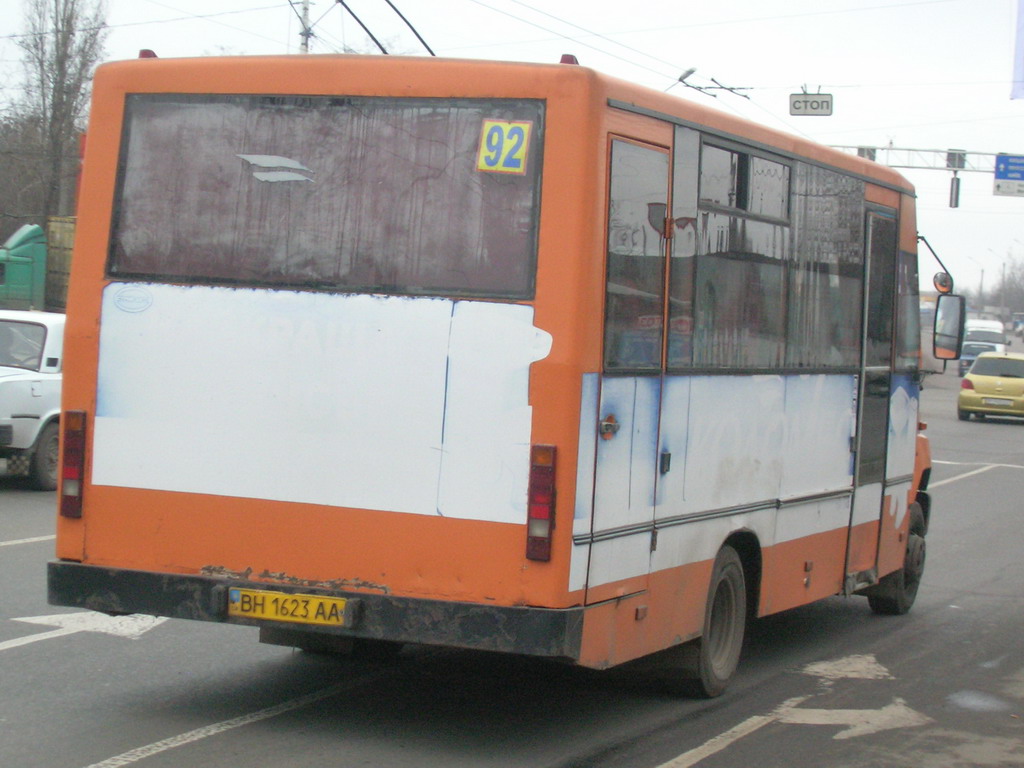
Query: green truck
(34, 266)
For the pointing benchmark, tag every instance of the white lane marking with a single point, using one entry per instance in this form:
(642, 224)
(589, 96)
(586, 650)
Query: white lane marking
(978, 701)
(19, 641)
(131, 627)
(976, 464)
(134, 755)
(33, 540)
(720, 742)
(963, 476)
(981, 468)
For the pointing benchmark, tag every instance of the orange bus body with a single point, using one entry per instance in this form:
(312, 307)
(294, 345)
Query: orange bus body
(173, 543)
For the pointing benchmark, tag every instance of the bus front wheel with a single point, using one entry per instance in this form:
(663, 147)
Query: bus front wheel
(894, 595)
(712, 659)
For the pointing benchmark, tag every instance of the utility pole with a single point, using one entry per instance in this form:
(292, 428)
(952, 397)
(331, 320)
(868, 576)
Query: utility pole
(305, 33)
(1003, 314)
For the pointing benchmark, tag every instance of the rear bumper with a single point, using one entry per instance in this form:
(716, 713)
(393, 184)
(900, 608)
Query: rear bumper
(548, 632)
(972, 402)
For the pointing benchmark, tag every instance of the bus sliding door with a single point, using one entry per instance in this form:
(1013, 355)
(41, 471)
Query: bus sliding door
(630, 398)
(869, 500)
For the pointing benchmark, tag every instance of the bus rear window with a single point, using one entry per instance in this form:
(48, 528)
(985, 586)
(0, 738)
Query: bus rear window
(407, 196)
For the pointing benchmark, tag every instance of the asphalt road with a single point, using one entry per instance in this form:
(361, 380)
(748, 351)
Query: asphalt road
(825, 685)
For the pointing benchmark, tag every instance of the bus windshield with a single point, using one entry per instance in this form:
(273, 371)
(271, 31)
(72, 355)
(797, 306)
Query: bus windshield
(408, 196)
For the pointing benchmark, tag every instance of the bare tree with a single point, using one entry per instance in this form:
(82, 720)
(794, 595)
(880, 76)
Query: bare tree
(1009, 292)
(20, 162)
(62, 46)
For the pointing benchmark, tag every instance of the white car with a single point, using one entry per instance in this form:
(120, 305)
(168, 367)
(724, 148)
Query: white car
(987, 332)
(31, 356)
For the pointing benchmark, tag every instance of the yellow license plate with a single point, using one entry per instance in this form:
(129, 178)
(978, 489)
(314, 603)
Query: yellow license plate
(278, 606)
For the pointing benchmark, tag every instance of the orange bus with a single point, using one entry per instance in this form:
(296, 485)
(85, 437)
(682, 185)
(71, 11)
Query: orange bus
(366, 351)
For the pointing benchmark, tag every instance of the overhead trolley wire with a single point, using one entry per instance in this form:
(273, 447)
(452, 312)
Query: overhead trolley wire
(410, 26)
(203, 16)
(631, 49)
(366, 29)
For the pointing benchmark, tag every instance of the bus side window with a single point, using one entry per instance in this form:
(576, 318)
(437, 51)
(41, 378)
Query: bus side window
(739, 274)
(685, 169)
(881, 301)
(826, 270)
(740, 293)
(633, 303)
(908, 314)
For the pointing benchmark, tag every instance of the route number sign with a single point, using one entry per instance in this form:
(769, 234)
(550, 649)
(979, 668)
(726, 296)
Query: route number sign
(503, 146)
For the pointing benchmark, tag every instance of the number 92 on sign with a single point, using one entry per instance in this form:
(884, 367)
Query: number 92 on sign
(504, 146)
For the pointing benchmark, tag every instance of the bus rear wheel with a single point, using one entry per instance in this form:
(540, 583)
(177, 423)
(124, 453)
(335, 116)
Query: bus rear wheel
(712, 659)
(894, 595)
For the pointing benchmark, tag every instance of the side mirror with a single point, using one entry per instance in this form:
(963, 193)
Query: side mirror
(948, 339)
(943, 282)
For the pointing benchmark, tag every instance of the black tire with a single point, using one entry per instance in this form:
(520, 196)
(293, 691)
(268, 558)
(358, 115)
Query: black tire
(332, 645)
(895, 594)
(963, 415)
(43, 470)
(712, 659)
(375, 650)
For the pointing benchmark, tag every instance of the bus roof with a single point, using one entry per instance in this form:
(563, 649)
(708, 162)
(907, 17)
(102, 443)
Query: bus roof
(373, 75)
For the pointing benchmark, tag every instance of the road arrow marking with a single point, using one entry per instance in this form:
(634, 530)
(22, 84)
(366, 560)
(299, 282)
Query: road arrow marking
(131, 627)
(858, 667)
(861, 722)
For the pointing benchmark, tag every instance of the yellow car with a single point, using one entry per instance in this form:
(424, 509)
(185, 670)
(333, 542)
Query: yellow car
(994, 386)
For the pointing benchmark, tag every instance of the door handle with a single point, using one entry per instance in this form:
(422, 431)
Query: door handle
(608, 427)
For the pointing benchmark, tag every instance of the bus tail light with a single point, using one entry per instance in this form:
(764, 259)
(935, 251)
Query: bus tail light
(73, 464)
(540, 504)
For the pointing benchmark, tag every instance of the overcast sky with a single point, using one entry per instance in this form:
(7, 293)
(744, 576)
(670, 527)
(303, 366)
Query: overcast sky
(921, 74)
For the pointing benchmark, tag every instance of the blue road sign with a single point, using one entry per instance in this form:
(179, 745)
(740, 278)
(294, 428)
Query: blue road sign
(1009, 175)
(1010, 167)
